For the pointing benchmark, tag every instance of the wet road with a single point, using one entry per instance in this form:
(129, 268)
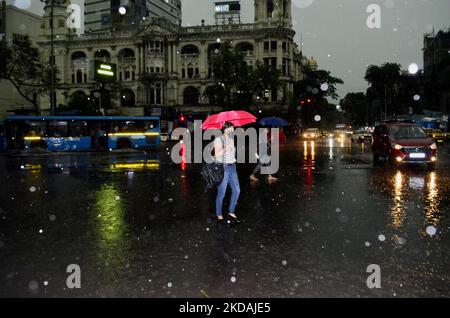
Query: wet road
(140, 226)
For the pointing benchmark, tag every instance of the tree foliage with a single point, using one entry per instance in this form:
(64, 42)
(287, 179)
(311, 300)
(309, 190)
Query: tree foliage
(23, 67)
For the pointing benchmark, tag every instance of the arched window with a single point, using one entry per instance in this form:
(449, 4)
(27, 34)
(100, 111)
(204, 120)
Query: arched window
(189, 50)
(79, 67)
(246, 48)
(191, 96)
(126, 54)
(102, 55)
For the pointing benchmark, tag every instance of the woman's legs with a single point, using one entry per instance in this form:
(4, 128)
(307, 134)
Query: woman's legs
(255, 171)
(233, 180)
(221, 190)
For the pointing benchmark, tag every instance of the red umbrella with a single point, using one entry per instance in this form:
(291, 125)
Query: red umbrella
(236, 117)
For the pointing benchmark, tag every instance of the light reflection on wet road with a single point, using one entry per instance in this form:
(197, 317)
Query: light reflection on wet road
(135, 223)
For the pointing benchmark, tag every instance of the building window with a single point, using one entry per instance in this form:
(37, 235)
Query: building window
(270, 8)
(273, 45)
(79, 77)
(190, 72)
(266, 46)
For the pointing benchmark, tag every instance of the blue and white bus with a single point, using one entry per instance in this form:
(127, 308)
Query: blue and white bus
(81, 133)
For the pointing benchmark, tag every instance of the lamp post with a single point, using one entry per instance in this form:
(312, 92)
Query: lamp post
(52, 54)
(52, 62)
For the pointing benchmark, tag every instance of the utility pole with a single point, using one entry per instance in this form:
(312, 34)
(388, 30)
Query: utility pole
(52, 62)
(385, 101)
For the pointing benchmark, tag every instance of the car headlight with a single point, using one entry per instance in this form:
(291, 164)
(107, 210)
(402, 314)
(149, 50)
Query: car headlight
(433, 146)
(398, 147)
(305, 135)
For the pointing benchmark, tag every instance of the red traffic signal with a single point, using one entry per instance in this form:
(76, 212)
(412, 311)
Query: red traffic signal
(182, 118)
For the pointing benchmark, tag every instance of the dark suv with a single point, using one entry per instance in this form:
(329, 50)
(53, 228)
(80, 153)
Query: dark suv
(403, 142)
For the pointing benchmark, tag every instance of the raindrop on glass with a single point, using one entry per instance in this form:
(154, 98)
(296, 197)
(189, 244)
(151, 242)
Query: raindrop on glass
(431, 230)
(413, 68)
(33, 285)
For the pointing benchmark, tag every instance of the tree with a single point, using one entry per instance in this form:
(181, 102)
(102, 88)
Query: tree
(265, 78)
(236, 83)
(313, 92)
(80, 104)
(358, 110)
(228, 68)
(384, 82)
(24, 69)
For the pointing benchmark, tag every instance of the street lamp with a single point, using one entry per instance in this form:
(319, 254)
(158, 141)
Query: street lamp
(52, 53)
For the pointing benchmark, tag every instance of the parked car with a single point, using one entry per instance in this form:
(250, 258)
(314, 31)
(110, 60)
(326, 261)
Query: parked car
(403, 143)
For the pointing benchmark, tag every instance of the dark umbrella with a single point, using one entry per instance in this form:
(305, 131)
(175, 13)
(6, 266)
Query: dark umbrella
(274, 122)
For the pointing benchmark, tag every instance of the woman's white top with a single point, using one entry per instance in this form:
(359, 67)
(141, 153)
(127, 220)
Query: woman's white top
(229, 155)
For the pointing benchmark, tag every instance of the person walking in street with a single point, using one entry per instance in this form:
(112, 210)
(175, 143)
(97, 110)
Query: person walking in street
(263, 157)
(225, 153)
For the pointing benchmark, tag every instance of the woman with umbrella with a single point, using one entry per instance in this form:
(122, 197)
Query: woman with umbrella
(225, 153)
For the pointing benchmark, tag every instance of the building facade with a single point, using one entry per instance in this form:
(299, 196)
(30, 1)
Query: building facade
(161, 65)
(16, 21)
(103, 15)
(436, 55)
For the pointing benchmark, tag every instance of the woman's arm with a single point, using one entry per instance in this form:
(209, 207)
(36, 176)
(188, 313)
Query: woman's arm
(218, 149)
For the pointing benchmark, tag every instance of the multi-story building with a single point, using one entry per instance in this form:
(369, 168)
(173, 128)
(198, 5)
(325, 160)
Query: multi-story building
(16, 21)
(161, 65)
(101, 15)
(436, 55)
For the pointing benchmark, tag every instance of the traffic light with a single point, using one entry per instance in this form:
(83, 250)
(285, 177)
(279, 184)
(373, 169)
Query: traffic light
(182, 118)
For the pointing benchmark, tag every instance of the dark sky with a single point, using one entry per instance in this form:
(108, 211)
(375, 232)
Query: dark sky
(336, 34)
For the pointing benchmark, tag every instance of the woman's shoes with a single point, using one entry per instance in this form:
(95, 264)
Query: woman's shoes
(232, 220)
(253, 178)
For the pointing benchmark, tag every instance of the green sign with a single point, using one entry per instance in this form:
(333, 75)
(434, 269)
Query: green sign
(104, 71)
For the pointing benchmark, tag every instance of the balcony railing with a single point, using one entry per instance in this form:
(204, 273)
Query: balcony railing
(127, 60)
(189, 56)
(219, 28)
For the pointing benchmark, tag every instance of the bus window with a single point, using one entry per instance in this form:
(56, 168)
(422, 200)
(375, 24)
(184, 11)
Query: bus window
(78, 129)
(35, 129)
(58, 129)
(151, 125)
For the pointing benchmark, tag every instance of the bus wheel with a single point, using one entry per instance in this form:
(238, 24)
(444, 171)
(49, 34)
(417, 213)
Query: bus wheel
(123, 143)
